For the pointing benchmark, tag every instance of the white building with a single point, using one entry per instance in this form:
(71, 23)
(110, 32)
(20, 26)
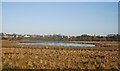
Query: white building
(26, 36)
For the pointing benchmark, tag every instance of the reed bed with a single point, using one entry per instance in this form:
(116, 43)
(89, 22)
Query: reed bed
(16, 56)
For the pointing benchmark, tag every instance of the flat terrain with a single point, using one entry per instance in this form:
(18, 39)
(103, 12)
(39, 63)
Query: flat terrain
(58, 57)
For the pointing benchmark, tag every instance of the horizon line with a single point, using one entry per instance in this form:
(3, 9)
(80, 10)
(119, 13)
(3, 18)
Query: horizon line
(64, 34)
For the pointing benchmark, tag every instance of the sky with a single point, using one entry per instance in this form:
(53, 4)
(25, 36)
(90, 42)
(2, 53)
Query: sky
(59, 0)
(119, 17)
(67, 18)
(0, 17)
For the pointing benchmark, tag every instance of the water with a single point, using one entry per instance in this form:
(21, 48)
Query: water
(58, 44)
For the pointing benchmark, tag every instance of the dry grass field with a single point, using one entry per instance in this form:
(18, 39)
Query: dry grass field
(16, 56)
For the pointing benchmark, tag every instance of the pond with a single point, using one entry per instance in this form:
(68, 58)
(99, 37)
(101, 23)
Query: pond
(58, 44)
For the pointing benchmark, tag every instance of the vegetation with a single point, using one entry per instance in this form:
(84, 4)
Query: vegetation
(58, 37)
(16, 56)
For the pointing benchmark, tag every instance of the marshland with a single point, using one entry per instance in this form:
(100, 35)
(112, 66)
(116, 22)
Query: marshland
(60, 35)
(104, 55)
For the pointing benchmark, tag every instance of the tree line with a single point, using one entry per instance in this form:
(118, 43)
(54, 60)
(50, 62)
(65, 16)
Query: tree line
(58, 37)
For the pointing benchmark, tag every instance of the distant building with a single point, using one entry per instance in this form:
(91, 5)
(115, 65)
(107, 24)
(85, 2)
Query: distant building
(26, 36)
(110, 35)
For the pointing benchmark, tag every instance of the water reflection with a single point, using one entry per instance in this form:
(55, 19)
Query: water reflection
(58, 44)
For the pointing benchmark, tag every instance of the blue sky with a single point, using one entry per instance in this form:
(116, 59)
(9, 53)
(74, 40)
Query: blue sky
(68, 18)
(0, 17)
(59, 0)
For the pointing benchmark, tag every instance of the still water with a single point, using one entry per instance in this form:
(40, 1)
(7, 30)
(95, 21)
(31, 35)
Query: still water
(58, 44)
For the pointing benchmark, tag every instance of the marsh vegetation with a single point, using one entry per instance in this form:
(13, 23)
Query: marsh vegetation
(16, 56)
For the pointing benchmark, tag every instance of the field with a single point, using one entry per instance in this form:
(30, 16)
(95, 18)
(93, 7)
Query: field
(104, 56)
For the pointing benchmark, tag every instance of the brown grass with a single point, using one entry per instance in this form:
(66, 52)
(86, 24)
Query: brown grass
(59, 57)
